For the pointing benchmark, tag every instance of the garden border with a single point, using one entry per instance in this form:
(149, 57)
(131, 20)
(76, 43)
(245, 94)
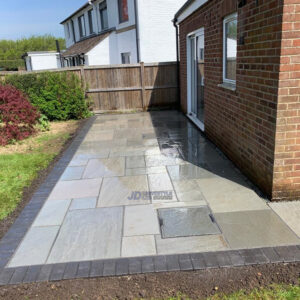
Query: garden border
(119, 266)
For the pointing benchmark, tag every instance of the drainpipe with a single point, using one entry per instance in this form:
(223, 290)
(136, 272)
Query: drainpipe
(178, 59)
(137, 32)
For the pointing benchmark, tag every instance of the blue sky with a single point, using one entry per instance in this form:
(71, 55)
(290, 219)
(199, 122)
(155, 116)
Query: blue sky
(23, 18)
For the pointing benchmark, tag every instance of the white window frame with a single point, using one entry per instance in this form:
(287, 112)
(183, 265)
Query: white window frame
(226, 20)
(126, 55)
(81, 25)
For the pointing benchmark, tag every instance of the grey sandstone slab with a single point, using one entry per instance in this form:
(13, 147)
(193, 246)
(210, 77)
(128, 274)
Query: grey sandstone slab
(188, 190)
(82, 157)
(135, 162)
(76, 189)
(133, 246)
(224, 195)
(89, 235)
(289, 212)
(83, 203)
(118, 191)
(35, 247)
(188, 171)
(146, 171)
(72, 173)
(190, 244)
(161, 160)
(253, 229)
(107, 167)
(140, 220)
(181, 222)
(52, 213)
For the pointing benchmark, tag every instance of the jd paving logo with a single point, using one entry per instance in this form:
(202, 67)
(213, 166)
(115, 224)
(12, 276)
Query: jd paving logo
(160, 195)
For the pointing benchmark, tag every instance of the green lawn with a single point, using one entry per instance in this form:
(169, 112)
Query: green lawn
(20, 164)
(274, 292)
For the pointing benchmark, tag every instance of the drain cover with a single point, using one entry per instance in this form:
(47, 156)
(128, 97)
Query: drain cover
(182, 222)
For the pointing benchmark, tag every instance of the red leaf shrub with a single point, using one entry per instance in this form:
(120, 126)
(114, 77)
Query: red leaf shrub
(17, 115)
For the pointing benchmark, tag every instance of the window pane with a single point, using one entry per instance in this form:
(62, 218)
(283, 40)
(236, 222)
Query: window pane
(125, 58)
(82, 26)
(231, 49)
(91, 21)
(123, 11)
(103, 15)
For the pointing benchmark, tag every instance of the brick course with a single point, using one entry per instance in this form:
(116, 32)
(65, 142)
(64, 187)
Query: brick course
(256, 126)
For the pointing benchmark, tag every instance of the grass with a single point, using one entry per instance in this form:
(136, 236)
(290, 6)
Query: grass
(21, 163)
(273, 292)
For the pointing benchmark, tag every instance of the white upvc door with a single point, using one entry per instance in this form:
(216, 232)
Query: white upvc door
(195, 78)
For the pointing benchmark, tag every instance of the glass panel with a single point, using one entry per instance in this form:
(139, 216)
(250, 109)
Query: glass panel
(231, 49)
(123, 11)
(91, 21)
(193, 77)
(200, 78)
(103, 16)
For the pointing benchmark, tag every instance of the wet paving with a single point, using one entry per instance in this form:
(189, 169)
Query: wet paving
(150, 184)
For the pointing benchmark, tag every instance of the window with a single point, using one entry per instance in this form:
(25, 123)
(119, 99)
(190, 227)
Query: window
(73, 31)
(230, 49)
(90, 16)
(125, 58)
(68, 30)
(81, 22)
(103, 15)
(123, 11)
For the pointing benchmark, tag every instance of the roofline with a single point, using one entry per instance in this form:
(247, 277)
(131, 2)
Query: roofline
(76, 12)
(187, 9)
(183, 8)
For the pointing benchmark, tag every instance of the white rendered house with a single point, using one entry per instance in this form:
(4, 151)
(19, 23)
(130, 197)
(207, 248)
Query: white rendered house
(120, 32)
(42, 60)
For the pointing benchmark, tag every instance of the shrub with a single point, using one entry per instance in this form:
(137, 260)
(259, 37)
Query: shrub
(17, 115)
(59, 96)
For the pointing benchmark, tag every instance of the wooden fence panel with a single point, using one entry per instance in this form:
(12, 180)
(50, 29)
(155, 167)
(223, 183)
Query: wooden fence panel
(127, 87)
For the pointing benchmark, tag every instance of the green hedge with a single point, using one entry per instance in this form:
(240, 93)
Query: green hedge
(12, 65)
(59, 96)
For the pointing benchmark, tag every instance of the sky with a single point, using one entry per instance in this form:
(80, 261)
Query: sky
(23, 18)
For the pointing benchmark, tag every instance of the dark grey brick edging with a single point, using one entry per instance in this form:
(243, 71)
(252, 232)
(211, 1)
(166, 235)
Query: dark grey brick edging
(122, 266)
(150, 264)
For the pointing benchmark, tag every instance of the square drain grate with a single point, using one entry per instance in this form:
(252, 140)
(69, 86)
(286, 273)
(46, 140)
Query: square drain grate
(183, 222)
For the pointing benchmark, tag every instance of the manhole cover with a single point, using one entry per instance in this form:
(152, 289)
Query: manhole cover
(182, 222)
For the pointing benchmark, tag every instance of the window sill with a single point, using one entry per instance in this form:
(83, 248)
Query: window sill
(228, 86)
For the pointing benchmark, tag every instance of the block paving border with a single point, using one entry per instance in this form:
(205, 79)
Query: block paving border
(119, 266)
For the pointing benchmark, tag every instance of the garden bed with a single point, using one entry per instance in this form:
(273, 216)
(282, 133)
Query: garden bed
(26, 164)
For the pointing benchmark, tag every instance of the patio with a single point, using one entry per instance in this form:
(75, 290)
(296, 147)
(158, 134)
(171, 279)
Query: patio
(150, 184)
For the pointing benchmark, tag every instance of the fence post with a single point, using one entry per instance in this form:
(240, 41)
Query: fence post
(142, 69)
(83, 79)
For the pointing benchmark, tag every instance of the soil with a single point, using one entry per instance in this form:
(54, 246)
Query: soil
(195, 285)
(28, 192)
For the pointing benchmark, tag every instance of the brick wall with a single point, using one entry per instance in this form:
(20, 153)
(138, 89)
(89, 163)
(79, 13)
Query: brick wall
(287, 151)
(241, 123)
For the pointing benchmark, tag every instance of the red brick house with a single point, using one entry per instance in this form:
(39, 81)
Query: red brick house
(240, 83)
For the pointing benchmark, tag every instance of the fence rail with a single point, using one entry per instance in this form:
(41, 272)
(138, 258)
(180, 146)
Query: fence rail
(126, 87)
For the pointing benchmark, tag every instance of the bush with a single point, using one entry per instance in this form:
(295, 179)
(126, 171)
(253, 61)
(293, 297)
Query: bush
(59, 96)
(17, 115)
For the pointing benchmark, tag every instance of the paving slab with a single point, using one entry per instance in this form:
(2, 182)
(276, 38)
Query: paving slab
(76, 189)
(190, 244)
(135, 162)
(289, 212)
(106, 167)
(83, 203)
(118, 191)
(35, 247)
(72, 173)
(188, 190)
(140, 220)
(52, 213)
(89, 235)
(253, 229)
(134, 246)
(188, 171)
(146, 171)
(230, 196)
